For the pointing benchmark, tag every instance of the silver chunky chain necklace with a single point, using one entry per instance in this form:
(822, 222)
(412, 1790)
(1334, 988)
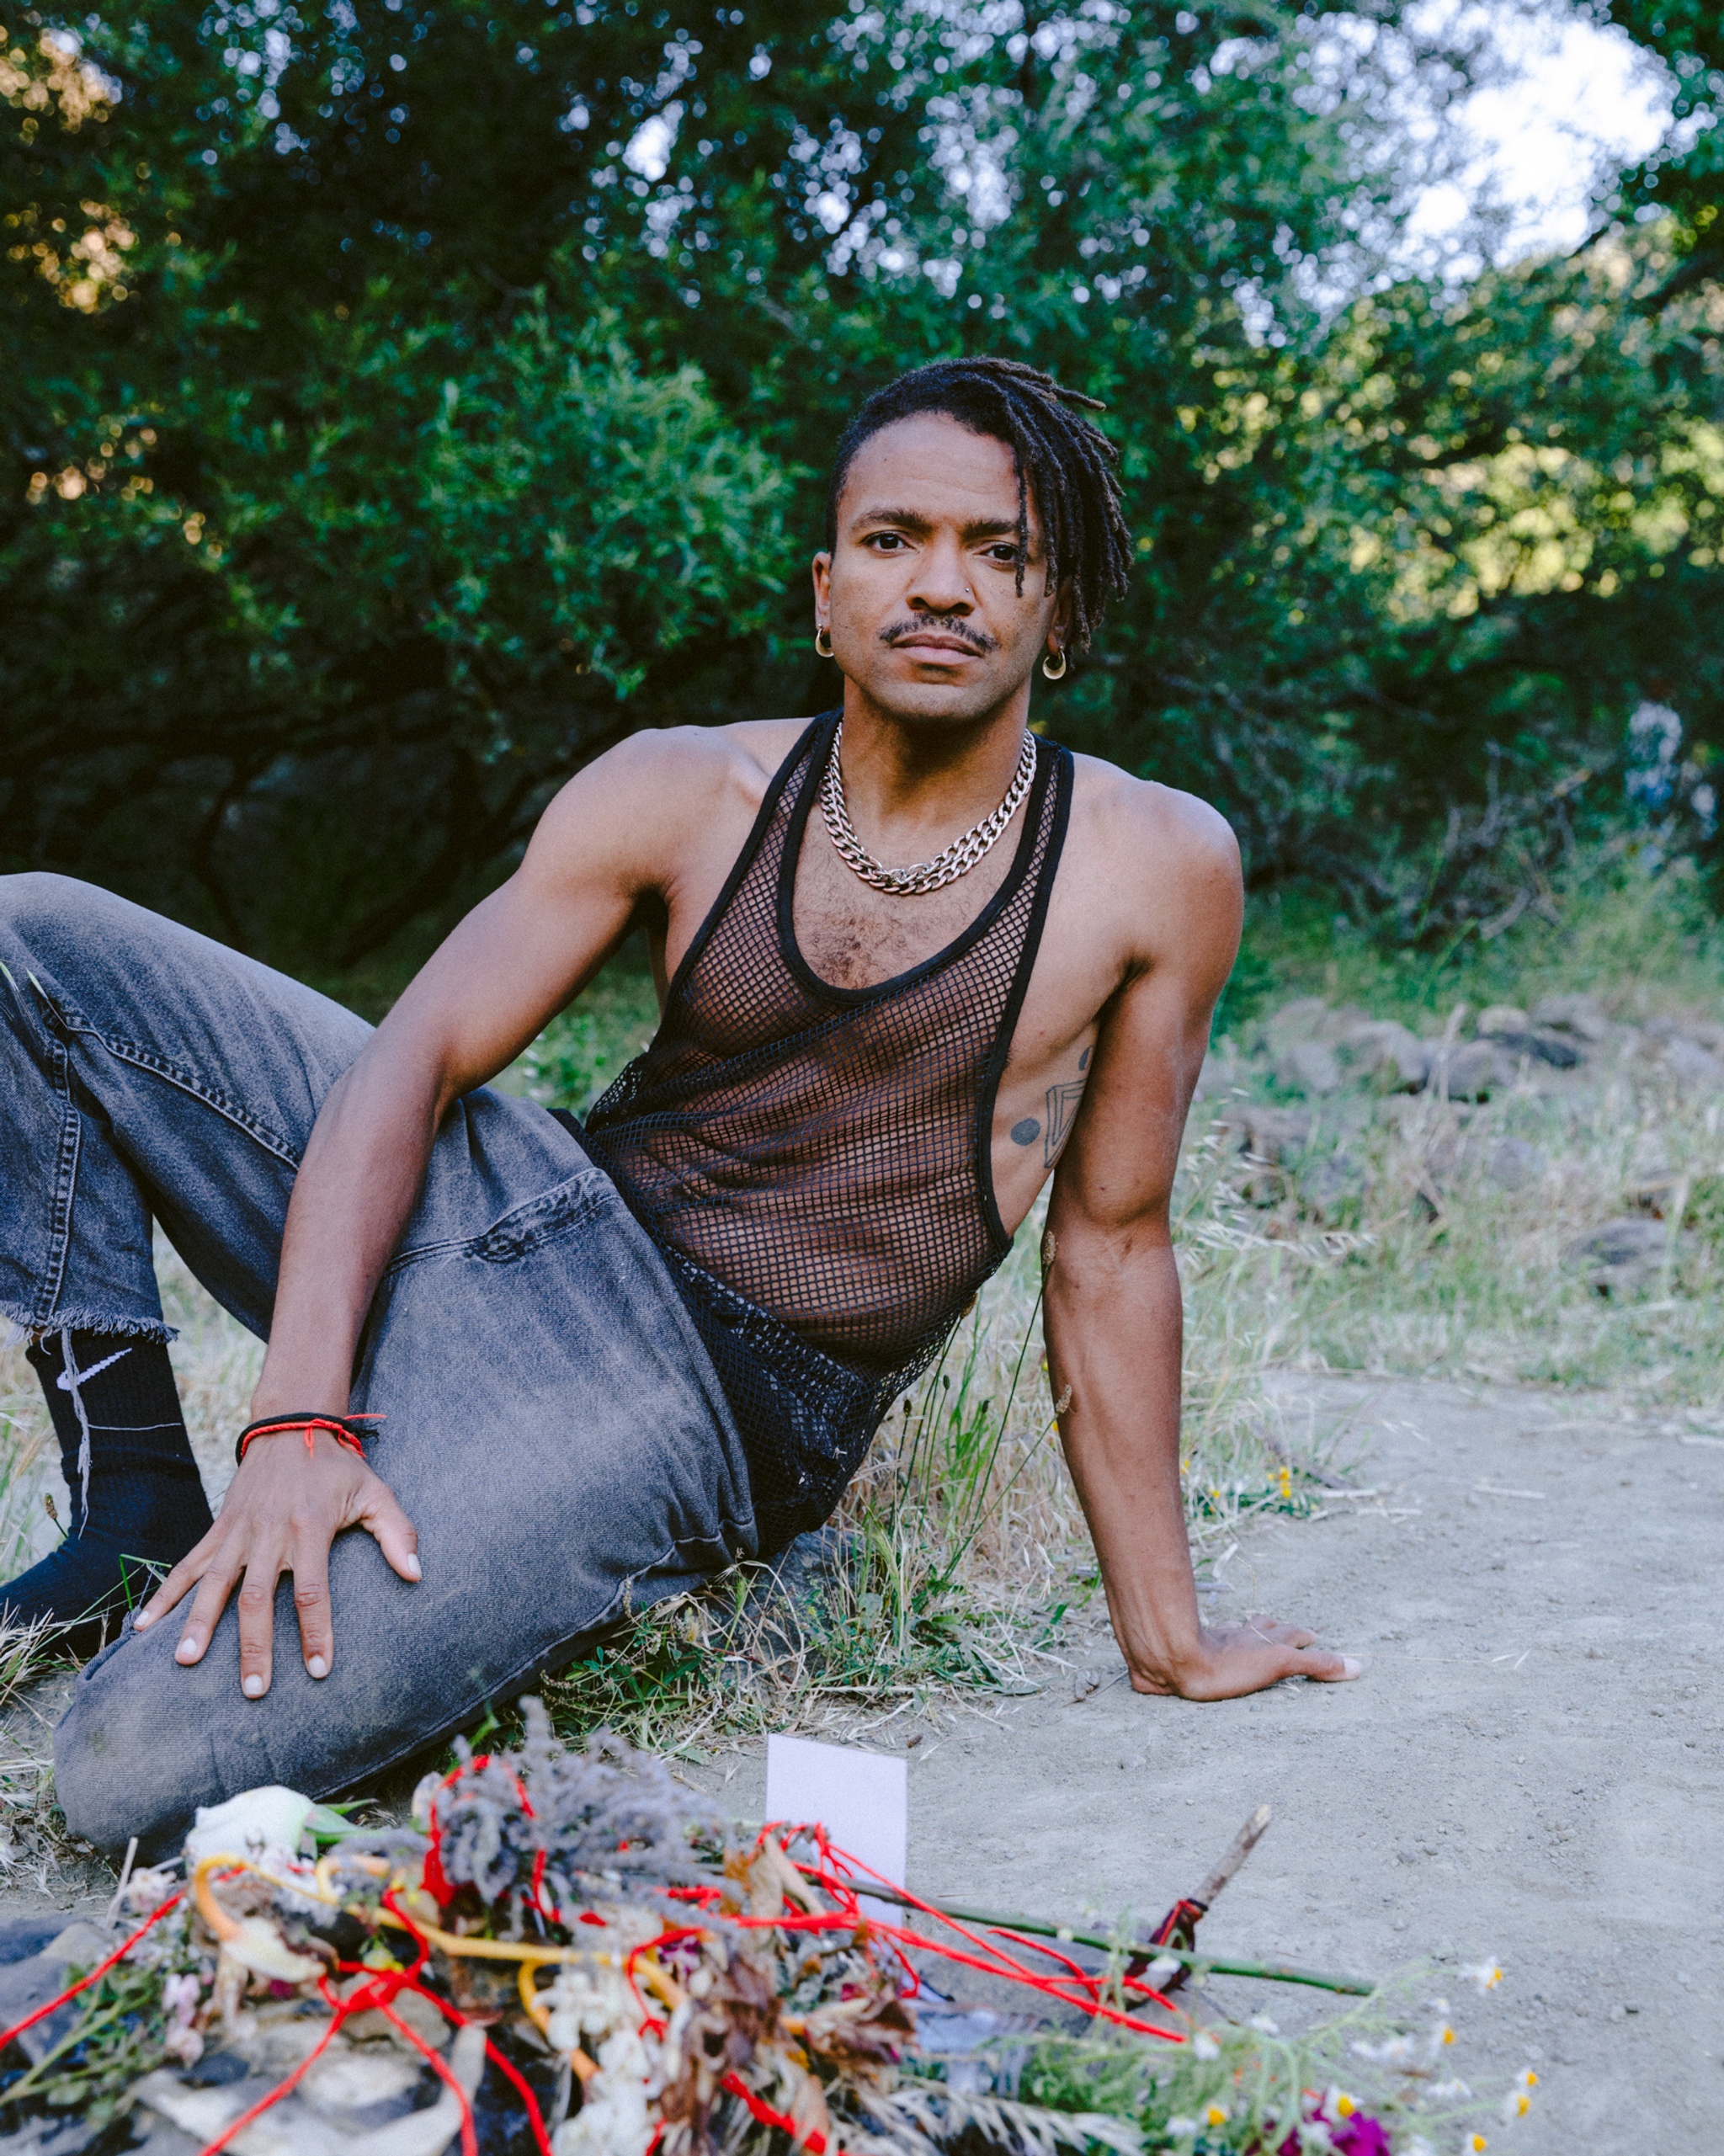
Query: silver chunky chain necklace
(958, 858)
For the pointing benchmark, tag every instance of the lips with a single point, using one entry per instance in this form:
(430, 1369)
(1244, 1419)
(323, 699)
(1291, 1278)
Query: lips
(937, 647)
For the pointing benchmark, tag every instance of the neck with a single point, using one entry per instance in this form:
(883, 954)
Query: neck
(913, 785)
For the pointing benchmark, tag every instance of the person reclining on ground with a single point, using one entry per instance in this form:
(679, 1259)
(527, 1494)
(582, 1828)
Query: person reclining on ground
(604, 1363)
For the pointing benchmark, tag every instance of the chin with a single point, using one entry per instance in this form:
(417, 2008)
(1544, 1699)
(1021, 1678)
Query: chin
(937, 703)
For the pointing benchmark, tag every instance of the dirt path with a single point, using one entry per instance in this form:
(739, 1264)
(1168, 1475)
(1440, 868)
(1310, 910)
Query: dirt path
(1532, 1767)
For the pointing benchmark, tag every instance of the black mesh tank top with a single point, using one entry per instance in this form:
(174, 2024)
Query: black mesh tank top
(821, 1157)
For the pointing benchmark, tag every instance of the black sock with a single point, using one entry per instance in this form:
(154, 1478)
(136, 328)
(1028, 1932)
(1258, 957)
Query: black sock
(145, 1505)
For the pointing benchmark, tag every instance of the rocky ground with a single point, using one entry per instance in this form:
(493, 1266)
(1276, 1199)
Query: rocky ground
(1531, 1767)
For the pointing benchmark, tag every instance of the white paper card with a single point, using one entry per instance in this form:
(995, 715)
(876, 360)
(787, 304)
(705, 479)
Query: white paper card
(861, 1798)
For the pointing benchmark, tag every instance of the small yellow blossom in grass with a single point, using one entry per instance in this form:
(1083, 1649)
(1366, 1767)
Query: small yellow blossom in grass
(1487, 1975)
(1475, 2144)
(1286, 1480)
(1526, 2078)
(1337, 2104)
(1216, 2114)
(1516, 2105)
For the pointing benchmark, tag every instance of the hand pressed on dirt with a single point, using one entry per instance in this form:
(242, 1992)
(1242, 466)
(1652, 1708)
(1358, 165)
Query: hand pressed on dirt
(282, 1511)
(1231, 1660)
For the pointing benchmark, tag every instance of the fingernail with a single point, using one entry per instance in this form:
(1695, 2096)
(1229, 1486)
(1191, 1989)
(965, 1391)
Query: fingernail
(1350, 1665)
(253, 1688)
(316, 1666)
(187, 1651)
(143, 1622)
(412, 1568)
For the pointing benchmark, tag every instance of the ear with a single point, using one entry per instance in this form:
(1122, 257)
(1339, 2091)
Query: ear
(822, 571)
(1058, 628)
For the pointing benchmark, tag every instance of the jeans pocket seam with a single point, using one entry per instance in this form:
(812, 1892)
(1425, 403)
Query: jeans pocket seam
(564, 1207)
(159, 1065)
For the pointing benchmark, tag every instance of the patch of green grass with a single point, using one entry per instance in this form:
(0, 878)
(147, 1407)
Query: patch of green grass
(1620, 924)
(959, 1555)
(584, 1047)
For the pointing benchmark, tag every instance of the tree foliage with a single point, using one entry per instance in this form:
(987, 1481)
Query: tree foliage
(411, 397)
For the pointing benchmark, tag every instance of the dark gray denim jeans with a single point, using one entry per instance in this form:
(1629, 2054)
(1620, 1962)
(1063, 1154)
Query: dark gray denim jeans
(553, 1426)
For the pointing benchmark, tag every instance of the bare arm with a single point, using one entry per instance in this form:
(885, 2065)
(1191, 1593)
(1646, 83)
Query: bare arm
(1113, 1306)
(605, 844)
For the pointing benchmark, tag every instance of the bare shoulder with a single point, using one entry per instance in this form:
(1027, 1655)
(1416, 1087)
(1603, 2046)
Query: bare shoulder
(1154, 834)
(661, 778)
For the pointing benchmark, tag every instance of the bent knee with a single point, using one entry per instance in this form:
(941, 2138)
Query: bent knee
(40, 907)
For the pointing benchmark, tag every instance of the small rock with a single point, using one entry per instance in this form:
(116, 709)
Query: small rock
(1514, 1163)
(1618, 1255)
(1579, 1015)
(1387, 1053)
(1518, 1037)
(1271, 1134)
(1691, 1065)
(1308, 1067)
(1471, 1072)
(1302, 1020)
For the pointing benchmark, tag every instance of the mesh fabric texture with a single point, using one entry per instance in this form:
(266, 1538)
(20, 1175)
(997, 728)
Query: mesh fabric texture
(815, 1162)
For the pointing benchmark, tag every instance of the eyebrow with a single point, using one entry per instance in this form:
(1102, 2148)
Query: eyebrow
(913, 520)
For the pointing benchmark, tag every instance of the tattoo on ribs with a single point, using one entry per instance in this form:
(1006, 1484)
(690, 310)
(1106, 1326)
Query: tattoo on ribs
(1062, 1113)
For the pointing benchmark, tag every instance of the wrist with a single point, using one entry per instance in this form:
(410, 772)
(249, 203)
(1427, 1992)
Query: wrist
(296, 1396)
(347, 1432)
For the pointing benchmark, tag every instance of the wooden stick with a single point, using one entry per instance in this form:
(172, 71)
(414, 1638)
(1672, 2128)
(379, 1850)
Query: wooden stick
(1247, 1839)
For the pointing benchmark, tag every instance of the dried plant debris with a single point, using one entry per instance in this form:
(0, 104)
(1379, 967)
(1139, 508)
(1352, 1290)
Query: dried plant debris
(569, 1954)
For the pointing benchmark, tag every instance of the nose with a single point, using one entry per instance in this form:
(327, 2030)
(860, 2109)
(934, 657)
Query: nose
(941, 583)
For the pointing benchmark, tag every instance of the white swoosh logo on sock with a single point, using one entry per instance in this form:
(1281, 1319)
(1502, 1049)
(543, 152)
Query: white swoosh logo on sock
(69, 1380)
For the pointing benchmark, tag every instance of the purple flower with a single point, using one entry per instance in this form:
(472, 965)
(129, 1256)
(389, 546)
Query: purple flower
(1357, 2136)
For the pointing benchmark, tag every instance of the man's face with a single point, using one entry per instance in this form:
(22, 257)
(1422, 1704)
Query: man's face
(920, 592)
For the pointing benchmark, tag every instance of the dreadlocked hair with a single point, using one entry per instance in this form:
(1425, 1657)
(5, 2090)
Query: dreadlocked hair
(1062, 459)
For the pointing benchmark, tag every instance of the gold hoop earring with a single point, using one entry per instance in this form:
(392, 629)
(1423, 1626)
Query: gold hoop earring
(823, 642)
(1054, 673)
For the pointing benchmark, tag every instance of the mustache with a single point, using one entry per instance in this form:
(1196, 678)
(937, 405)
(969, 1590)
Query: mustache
(975, 640)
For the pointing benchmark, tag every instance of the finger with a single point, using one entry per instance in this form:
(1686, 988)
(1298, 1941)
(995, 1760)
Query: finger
(310, 1600)
(1325, 1668)
(381, 1514)
(256, 1624)
(1283, 1634)
(213, 1591)
(179, 1584)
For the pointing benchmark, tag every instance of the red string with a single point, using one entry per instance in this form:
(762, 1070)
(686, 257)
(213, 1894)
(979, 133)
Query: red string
(282, 2089)
(384, 1988)
(832, 1873)
(516, 2081)
(308, 1424)
(815, 2142)
(101, 1969)
(989, 1959)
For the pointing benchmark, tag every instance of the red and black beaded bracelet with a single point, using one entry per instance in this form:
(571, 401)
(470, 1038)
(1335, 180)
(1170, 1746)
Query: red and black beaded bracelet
(343, 1428)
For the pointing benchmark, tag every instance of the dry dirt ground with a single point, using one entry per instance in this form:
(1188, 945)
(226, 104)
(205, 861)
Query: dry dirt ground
(1531, 1767)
